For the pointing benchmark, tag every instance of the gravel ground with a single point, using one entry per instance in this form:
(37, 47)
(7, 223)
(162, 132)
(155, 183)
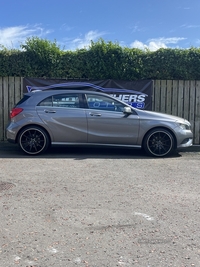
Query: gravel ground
(80, 207)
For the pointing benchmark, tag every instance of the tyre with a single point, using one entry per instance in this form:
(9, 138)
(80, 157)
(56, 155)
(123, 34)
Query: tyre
(33, 140)
(159, 143)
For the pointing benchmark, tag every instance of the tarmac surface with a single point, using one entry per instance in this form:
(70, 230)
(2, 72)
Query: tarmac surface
(99, 207)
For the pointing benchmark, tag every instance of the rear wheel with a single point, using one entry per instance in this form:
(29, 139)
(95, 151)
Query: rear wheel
(159, 143)
(33, 140)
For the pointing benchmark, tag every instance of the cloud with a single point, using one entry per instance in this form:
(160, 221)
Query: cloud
(66, 27)
(184, 8)
(136, 28)
(12, 37)
(155, 44)
(186, 26)
(84, 42)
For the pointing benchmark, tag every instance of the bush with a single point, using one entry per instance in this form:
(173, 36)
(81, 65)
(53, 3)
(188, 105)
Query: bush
(102, 60)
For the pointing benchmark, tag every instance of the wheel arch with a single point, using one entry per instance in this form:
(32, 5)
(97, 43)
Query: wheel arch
(164, 128)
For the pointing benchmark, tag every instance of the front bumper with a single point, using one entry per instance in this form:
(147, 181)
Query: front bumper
(186, 143)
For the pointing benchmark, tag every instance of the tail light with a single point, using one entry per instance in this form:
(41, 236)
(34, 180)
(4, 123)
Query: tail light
(15, 111)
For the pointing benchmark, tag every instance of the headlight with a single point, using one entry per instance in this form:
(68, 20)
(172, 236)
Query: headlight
(184, 126)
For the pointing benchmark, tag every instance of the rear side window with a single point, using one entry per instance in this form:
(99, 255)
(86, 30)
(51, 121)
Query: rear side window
(46, 102)
(66, 100)
(26, 97)
(62, 101)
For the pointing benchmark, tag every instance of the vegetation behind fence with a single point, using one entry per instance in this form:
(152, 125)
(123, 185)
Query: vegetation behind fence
(177, 97)
(100, 61)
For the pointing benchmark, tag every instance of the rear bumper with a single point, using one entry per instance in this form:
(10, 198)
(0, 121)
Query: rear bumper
(11, 132)
(11, 141)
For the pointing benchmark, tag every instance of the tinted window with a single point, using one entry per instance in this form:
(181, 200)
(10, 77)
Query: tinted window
(46, 102)
(23, 100)
(63, 100)
(66, 100)
(103, 103)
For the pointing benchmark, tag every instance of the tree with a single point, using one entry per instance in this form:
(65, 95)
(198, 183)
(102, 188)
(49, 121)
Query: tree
(42, 55)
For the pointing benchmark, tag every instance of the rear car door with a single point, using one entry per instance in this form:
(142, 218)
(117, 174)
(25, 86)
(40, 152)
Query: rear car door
(107, 124)
(64, 117)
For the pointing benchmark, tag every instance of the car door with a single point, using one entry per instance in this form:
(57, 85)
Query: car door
(107, 124)
(64, 117)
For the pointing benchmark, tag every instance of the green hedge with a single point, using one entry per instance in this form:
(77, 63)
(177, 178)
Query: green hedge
(102, 60)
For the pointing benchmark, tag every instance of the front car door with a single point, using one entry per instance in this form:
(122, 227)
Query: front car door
(107, 124)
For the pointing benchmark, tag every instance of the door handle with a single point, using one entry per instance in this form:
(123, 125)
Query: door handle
(95, 114)
(49, 111)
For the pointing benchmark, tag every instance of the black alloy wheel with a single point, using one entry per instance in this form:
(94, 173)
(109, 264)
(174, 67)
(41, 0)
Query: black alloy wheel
(33, 140)
(159, 143)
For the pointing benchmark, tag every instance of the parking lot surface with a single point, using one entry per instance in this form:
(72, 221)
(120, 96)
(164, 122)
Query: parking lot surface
(99, 207)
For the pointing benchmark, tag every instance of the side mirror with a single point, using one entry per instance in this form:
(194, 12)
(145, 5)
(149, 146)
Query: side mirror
(127, 110)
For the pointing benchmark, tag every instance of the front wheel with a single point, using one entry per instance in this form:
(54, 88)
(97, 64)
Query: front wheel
(33, 140)
(159, 143)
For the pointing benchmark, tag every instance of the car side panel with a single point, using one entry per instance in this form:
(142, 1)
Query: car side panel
(109, 127)
(65, 124)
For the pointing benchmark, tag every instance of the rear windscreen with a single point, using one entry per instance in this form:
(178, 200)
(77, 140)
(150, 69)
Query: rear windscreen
(23, 100)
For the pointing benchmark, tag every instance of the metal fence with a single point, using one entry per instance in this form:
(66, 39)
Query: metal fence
(177, 97)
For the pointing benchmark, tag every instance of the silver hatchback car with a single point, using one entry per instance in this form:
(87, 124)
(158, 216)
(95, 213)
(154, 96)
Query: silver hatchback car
(88, 118)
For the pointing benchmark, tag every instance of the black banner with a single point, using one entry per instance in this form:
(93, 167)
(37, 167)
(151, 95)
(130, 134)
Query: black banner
(136, 93)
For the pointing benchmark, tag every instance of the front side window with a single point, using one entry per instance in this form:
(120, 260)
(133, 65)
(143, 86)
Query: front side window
(103, 103)
(63, 100)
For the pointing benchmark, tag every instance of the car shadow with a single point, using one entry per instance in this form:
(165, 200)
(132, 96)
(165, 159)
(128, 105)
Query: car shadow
(8, 150)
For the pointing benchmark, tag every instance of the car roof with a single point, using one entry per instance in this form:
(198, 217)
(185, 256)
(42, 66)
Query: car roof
(61, 91)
